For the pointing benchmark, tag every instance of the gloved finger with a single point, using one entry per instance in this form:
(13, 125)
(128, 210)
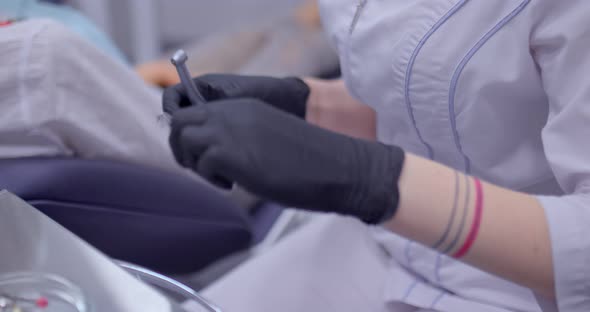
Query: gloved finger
(193, 117)
(212, 86)
(192, 143)
(227, 86)
(175, 98)
(211, 166)
(190, 116)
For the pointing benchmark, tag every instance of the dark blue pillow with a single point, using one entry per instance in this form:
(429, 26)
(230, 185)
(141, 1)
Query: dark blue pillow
(161, 220)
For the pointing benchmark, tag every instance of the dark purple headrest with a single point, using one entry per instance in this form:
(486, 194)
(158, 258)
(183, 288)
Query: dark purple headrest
(147, 216)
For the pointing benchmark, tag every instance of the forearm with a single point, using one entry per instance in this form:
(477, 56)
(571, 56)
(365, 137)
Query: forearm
(331, 106)
(512, 240)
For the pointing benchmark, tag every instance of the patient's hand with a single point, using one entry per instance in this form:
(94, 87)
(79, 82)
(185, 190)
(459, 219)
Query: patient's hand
(159, 73)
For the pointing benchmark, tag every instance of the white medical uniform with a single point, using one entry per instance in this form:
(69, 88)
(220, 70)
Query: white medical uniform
(498, 89)
(61, 96)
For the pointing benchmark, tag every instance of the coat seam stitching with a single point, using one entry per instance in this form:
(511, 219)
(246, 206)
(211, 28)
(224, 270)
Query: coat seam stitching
(410, 68)
(459, 70)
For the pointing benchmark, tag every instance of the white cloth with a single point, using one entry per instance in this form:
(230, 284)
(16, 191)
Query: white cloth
(59, 95)
(498, 89)
(304, 272)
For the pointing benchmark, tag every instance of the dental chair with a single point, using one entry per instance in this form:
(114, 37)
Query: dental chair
(170, 223)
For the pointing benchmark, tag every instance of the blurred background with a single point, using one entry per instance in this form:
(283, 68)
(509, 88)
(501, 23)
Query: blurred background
(252, 37)
(144, 29)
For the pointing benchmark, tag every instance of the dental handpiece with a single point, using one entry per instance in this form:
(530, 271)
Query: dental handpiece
(179, 61)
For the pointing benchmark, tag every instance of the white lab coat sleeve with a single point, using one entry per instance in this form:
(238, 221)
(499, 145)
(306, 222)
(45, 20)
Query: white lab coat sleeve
(560, 43)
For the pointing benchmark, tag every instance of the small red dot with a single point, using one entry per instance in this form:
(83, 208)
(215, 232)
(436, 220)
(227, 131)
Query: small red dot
(42, 302)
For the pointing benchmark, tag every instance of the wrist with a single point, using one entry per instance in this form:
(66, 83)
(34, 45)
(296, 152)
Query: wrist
(301, 92)
(375, 198)
(314, 100)
(386, 189)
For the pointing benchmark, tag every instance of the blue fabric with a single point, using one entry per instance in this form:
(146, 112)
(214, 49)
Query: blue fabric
(154, 218)
(25, 9)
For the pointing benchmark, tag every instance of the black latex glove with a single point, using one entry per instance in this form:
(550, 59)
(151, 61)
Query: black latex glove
(285, 159)
(287, 94)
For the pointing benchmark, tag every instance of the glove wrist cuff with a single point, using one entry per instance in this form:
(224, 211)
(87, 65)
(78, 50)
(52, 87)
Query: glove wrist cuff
(382, 191)
(298, 105)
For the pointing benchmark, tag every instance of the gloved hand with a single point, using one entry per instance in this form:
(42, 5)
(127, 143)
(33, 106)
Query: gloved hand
(287, 94)
(285, 159)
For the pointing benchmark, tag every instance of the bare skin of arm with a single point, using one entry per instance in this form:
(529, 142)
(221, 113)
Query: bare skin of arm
(495, 229)
(330, 106)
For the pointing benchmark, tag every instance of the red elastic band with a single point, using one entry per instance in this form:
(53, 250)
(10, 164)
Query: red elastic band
(472, 236)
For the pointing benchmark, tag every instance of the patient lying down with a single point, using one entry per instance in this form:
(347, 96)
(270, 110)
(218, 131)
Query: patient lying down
(62, 96)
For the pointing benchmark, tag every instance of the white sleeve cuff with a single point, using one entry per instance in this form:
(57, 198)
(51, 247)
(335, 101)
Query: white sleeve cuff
(569, 226)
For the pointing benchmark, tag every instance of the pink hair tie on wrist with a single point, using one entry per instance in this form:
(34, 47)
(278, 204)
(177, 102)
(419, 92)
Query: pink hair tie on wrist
(472, 236)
